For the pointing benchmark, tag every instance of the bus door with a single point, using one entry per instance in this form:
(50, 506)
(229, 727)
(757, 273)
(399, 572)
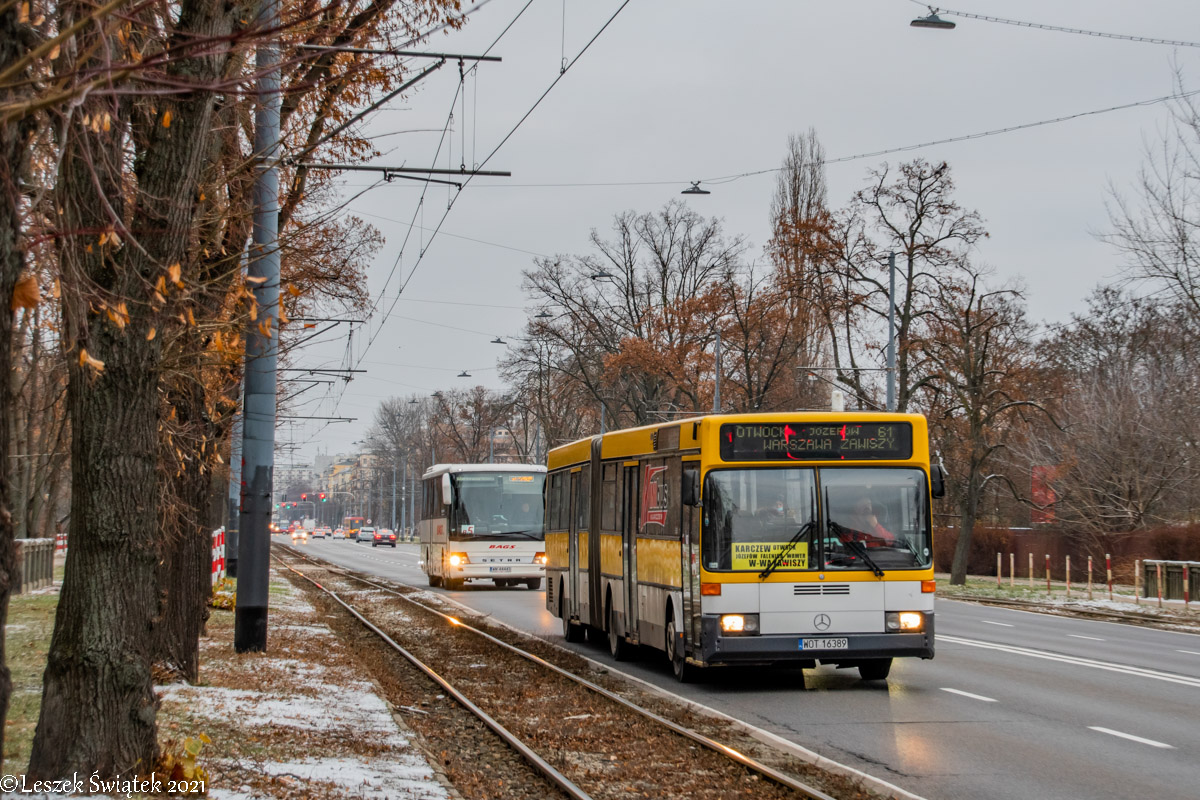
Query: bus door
(679, 520)
(689, 526)
(595, 577)
(571, 604)
(629, 551)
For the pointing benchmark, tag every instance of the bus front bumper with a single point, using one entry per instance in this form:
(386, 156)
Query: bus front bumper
(484, 572)
(717, 648)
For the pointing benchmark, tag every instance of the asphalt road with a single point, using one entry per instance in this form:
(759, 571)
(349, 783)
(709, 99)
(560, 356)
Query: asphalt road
(1015, 705)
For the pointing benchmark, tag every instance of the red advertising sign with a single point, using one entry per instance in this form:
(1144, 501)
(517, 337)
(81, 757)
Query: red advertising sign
(654, 495)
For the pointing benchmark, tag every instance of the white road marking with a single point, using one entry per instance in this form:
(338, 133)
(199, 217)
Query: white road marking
(1189, 652)
(1131, 737)
(968, 694)
(1077, 636)
(1139, 672)
(1001, 624)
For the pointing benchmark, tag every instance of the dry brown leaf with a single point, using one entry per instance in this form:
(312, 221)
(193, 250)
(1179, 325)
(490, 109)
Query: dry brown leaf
(292, 290)
(25, 293)
(54, 51)
(166, 122)
(86, 360)
(23, 13)
(150, 334)
(175, 271)
(257, 280)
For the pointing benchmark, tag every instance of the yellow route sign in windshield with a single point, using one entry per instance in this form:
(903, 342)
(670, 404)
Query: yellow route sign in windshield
(760, 555)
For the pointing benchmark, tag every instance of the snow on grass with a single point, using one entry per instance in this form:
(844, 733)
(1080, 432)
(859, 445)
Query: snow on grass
(355, 710)
(400, 776)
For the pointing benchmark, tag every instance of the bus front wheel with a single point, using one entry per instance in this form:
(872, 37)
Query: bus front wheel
(683, 670)
(533, 584)
(875, 669)
(435, 580)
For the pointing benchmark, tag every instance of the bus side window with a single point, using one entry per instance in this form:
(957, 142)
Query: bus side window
(583, 499)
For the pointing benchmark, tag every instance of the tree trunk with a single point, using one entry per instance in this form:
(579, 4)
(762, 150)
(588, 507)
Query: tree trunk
(98, 703)
(185, 570)
(962, 549)
(14, 136)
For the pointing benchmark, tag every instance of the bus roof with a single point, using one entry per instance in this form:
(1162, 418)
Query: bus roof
(439, 469)
(630, 442)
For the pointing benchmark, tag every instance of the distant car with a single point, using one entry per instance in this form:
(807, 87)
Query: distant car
(339, 533)
(293, 527)
(300, 536)
(320, 533)
(365, 534)
(384, 536)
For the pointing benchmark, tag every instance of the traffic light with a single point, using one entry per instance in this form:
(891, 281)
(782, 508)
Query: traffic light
(322, 497)
(304, 497)
(284, 498)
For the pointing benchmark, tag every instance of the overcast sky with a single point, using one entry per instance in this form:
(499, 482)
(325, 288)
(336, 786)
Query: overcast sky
(675, 91)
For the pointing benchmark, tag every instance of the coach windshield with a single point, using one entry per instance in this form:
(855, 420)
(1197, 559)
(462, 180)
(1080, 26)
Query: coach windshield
(842, 518)
(497, 505)
(754, 518)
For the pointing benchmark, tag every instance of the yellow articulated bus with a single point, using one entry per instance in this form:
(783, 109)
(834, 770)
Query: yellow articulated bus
(788, 538)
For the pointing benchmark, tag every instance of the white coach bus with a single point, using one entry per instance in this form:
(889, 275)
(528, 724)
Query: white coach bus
(483, 522)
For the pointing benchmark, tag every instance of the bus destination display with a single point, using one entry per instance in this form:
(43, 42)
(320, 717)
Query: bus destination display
(793, 441)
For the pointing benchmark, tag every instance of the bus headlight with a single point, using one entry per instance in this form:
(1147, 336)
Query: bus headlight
(898, 621)
(739, 623)
(540, 558)
(458, 559)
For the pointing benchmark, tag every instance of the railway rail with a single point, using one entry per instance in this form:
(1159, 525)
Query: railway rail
(582, 738)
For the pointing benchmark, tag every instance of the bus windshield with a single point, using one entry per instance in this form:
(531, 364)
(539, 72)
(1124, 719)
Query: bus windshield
(491, 505)
(838, 518)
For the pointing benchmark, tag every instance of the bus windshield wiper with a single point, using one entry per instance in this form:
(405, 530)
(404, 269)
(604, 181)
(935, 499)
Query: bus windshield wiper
(787, 548)
(845, 535)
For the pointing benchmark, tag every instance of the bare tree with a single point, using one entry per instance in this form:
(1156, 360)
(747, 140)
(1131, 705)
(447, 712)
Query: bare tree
(1158, 228)
(981, 357)
(913, 215)
(631, 322)
(1125, 458)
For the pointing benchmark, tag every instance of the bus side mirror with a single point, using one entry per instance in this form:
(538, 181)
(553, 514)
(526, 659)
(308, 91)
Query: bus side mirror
(691, 487)
(937, 481)
(446, 488)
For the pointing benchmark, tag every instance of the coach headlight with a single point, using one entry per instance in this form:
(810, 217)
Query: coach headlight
(458, 559)
(739, 624)
(540, 558)
(904, 621)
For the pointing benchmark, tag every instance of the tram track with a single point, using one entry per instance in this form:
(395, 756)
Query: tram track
(586, 740)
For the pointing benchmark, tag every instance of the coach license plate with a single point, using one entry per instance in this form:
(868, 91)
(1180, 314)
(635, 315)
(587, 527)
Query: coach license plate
(824, 644)
(499, 569)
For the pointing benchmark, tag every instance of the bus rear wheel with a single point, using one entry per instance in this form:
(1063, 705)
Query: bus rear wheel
(533, 584)
(875, 669)
(617, 646)
(571, 632)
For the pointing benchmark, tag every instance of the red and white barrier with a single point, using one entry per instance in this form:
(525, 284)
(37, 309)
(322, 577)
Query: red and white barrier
(218, 555)
(60, 543)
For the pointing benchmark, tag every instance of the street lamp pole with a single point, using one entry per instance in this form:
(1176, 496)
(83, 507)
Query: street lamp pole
(891, 345)
(717, 381)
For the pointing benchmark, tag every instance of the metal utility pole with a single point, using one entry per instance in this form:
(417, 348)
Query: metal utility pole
(717, 381)
(891, 346)
(393, 491)
(262, 340)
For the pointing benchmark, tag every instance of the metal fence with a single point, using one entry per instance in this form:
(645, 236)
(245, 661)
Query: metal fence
(1180, 579)
(36, 557)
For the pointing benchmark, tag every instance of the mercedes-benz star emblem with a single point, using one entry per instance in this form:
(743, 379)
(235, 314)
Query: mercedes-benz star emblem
(822, 622)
